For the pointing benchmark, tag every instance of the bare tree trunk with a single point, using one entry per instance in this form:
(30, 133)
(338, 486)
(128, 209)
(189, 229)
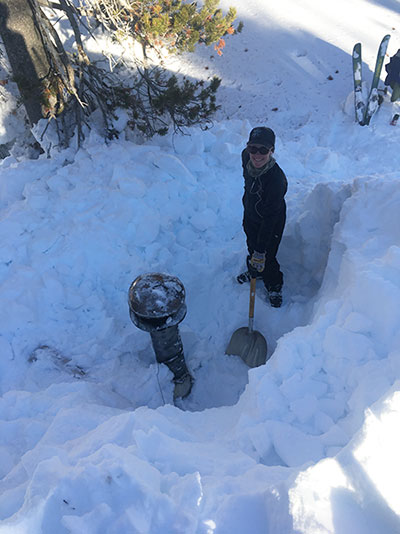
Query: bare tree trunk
(26, 53)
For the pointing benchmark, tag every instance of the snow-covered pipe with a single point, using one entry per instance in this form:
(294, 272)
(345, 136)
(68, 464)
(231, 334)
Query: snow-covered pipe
(157, 305)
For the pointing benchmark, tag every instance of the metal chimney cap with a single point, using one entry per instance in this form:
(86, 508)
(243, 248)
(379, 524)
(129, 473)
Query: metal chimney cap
(156, 295)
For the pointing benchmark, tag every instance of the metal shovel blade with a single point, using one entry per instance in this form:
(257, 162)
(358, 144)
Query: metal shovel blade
(247, 343)
(250, 346)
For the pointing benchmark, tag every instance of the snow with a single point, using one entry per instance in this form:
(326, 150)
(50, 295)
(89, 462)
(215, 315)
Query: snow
(90, 440)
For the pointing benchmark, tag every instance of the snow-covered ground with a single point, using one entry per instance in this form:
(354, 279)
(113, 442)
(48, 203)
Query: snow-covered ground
(90, 441)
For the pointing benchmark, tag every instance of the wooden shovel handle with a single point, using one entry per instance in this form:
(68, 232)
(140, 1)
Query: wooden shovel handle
(252, 297)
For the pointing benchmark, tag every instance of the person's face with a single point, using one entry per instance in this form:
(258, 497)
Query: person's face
(259, 159)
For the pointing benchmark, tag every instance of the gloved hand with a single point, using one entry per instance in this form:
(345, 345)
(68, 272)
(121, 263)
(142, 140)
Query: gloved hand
(257, 261)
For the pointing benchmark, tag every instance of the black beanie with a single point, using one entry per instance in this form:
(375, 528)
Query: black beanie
(262, 136)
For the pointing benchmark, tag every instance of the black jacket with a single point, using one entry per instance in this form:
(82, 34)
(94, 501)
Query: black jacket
(264, 201)
(393, 70)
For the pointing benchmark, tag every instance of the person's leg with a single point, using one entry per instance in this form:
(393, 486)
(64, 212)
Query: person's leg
(272, 274)
(250, 229)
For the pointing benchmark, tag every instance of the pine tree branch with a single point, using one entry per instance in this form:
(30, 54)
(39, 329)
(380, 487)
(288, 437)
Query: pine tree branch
(69, 10)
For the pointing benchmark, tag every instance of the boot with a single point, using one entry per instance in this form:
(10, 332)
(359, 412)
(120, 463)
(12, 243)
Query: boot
(275, 296)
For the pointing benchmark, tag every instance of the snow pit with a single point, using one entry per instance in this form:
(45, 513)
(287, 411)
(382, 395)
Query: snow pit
(89, 438)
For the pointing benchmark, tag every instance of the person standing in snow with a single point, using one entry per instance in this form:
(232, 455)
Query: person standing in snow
(264, 218)
(393, 76)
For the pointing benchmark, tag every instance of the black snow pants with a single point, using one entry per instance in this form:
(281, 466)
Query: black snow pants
(271, 275)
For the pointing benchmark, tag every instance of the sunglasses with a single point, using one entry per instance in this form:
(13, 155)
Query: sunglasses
(261, 149)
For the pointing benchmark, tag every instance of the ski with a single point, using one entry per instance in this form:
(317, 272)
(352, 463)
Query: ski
(394, 120)
(373, 98)
(359, 104)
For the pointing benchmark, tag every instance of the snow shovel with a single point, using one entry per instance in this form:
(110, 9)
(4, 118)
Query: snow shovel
(247, 343)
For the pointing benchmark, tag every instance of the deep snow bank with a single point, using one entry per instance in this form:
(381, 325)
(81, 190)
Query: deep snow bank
(75, 457)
